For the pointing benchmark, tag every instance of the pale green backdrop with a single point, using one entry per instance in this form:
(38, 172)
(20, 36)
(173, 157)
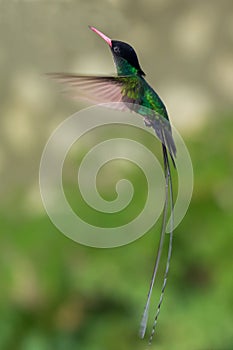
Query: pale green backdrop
(56, 294)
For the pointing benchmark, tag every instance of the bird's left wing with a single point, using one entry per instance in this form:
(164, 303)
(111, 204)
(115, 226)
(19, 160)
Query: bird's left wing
(112, 89)
(99, 89)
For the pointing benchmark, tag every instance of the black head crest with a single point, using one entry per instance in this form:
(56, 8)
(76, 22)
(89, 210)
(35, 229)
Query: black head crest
(125, 51)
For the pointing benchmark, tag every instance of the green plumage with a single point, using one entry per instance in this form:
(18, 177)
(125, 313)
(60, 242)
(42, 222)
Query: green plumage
(136, 88)
(139, 91)
(142, 99)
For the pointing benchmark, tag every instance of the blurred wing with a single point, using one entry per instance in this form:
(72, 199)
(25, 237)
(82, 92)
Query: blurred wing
(110, 90)
(94, 89)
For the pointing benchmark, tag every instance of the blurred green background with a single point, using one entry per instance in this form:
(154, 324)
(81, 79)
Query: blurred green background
(57, 294)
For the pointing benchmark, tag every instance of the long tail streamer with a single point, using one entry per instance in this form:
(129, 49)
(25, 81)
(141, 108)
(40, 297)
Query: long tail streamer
(169, 182)
(168, 192)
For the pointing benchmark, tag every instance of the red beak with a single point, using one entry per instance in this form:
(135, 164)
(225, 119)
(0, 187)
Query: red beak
(108, 40)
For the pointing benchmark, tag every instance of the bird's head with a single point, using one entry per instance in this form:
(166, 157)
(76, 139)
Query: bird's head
(123, 53)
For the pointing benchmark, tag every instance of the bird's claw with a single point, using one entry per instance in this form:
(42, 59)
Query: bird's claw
(147, 122)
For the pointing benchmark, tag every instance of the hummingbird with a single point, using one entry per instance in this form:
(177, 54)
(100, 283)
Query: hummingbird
(130, 87)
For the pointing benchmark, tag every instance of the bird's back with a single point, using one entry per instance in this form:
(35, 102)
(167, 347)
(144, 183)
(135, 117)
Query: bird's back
(152, 101)
(146, 102)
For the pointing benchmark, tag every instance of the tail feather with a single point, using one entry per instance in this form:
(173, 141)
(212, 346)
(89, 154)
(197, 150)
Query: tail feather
(169, 183)
(163, 130)
(144, 320)
(170, 144)
(160, 124)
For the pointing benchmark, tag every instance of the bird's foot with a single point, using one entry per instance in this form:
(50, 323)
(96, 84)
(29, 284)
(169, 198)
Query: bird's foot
(147, 122)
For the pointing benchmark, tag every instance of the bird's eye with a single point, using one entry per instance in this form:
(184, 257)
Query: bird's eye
(116, 49)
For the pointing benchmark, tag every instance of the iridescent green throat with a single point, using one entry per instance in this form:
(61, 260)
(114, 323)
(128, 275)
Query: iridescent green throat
(123, 67)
